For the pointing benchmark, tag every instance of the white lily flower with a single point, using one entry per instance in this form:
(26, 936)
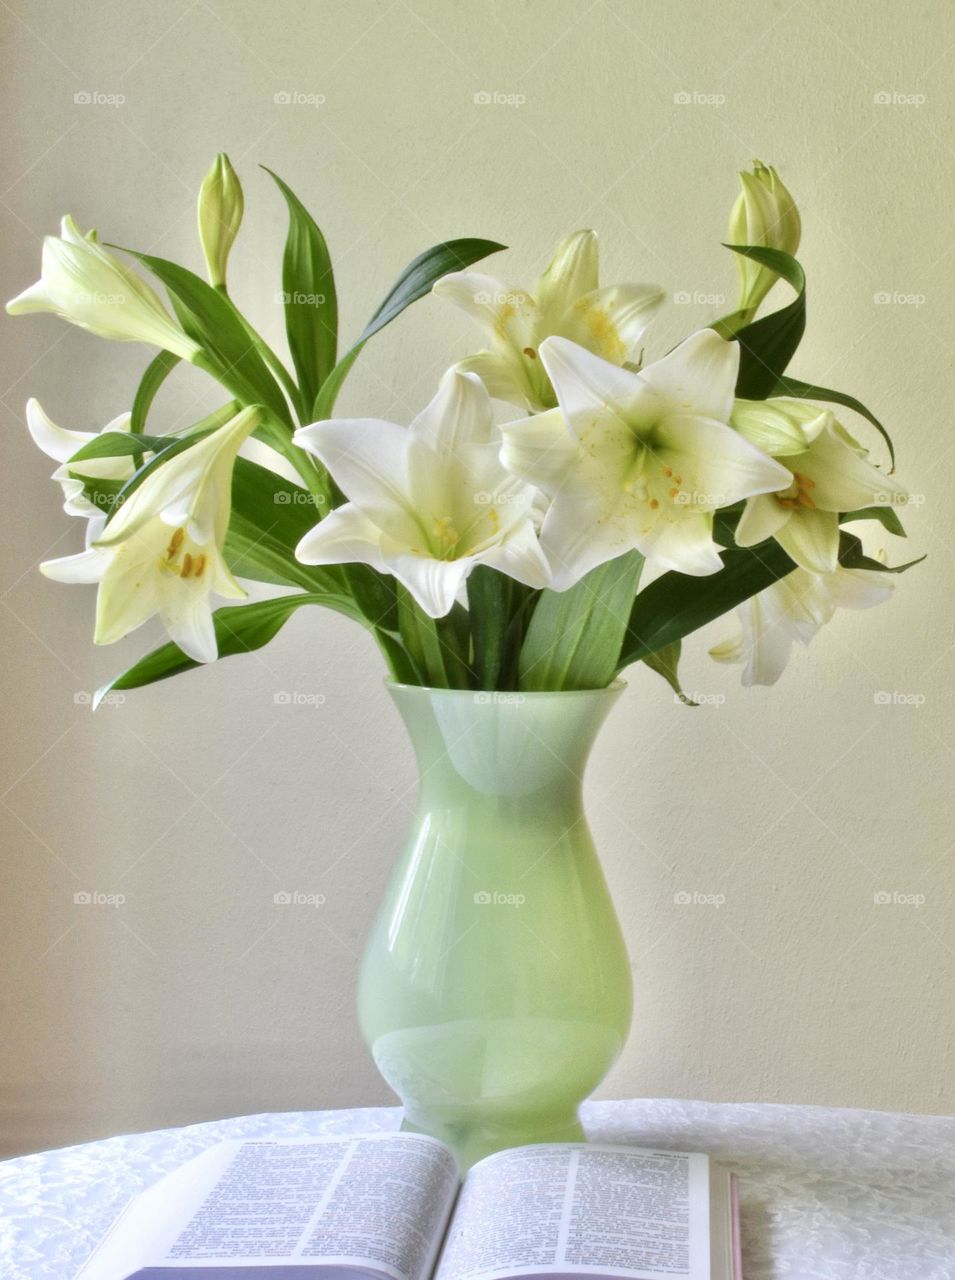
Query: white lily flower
(82, 282)
(793, 609)
(60, 444)
(567, 301)
(828, 473)
(162, 551)
(638, 460)
(764, 214)
(428, 502)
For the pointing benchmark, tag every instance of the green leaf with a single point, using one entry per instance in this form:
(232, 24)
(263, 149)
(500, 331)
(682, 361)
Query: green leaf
(886, 516)
(489, 609)
(239, 629)
(311, 308)
(413, 283)
(808, 391)
(768, 345)
(665, 662)
(118, 444)
(157, 371)
(676, 604)
(852, 556)
(269, 518)
(210, 319)
(574, 637)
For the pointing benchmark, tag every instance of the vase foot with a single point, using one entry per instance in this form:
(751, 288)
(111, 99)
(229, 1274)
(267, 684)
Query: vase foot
(471, 1142)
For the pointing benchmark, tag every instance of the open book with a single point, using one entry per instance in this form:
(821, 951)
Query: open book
(394, 1207)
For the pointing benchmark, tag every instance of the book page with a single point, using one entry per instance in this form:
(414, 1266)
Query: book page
(569, 1209)
(378, 1204)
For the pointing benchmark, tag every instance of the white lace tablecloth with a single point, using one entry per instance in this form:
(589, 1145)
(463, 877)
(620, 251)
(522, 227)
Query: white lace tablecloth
(826, 1194)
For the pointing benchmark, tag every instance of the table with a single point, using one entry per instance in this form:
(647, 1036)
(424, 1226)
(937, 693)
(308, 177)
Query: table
(826, 1194)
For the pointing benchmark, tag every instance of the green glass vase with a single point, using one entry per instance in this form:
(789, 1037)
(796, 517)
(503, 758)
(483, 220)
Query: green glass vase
(495, 989)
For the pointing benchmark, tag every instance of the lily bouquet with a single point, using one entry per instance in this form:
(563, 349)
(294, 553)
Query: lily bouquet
(483, 548)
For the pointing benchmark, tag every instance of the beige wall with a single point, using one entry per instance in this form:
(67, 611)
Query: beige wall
(199, 799)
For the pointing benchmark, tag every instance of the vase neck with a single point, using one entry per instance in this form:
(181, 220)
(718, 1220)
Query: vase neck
(502, 744)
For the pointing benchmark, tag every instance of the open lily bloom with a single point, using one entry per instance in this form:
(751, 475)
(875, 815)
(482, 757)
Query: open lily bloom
(793, 609)
(428, 502)
(638, 460)
(162, 551)
(828, 473)
(60, 444)
(567, 302)
(84, 283)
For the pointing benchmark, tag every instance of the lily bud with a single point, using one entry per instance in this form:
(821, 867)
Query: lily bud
(84, 283)
(764, 214)
(220, 216)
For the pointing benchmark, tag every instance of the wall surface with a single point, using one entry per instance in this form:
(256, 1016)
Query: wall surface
(795, 807)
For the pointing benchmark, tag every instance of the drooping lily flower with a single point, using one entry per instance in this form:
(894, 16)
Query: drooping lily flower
(428, 502)
(764, 214)
(221, 205)
(84, 283)
(566, 301)
(828, 473)
(60, 444)
(793, 609)
(162, 551)
(638, 460)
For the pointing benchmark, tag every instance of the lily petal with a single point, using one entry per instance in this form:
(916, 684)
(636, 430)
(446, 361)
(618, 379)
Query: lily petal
(584, 383)
(811, 538)
(762, 517)
(520, 556)
(700, 372)
(345, 536)
(540, 449)
(571, 273)
(612, 321)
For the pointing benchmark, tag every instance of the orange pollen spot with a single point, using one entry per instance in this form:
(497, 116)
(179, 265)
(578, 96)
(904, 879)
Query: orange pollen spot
(788, 502)
(804, 500)
(804, 482)
(674, 492)
(677, 479)
(186, 569)
(654, 503)
(530, 353)
(668, 471)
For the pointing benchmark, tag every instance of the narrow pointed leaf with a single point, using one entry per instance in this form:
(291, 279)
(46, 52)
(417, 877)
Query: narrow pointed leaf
(239, 629)
(574, 637)
(887, 517)
(768, 345)
(209, 319)
(666, 662)
(157, 371)
(676, 604)
(413, 283)
(808, 391)
(311, 307)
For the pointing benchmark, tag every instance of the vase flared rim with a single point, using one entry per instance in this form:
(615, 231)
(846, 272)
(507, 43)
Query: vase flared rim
(532, 695)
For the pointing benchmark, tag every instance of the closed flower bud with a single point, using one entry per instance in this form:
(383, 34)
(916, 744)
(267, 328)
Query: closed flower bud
(220, 216)
(764, 214)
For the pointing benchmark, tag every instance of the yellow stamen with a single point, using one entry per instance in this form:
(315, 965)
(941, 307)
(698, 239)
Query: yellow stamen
(186, 566)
